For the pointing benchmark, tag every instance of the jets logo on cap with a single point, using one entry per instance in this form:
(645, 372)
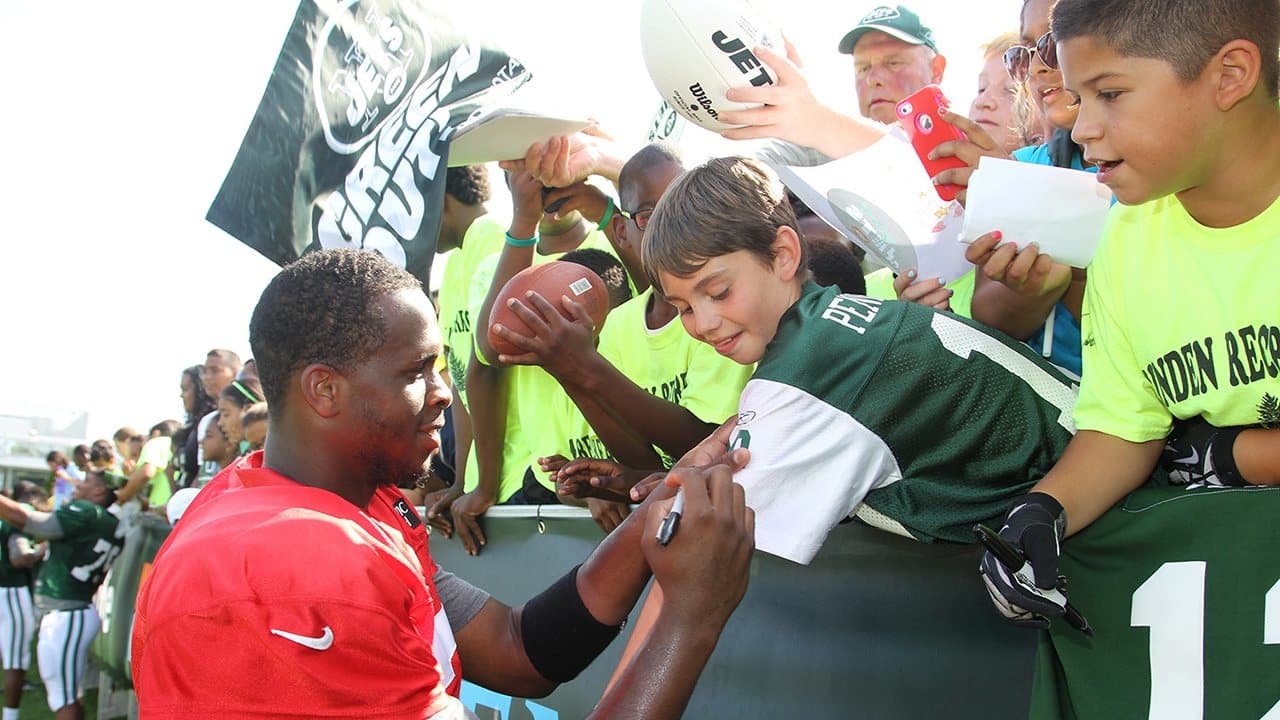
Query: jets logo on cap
(880, 13)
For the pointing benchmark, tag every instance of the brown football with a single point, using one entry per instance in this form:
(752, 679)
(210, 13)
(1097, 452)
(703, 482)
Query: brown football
(552, 281)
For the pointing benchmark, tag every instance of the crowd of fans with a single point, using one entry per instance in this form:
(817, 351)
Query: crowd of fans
(588, 415)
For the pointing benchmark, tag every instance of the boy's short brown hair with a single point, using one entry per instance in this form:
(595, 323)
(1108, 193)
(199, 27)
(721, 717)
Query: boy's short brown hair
(717, 208)
(1184, 33)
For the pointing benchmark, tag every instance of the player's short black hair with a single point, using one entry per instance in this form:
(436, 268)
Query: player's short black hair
(322, 308)
(1184, 33)
(655, 153)
(833, 262)
(468, 184)
(608, 267)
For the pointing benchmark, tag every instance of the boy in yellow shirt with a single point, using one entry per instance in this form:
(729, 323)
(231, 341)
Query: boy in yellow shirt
(1180, 342)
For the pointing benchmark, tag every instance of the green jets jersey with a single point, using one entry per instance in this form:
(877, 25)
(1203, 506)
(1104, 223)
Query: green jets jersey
(1184, 598)
(921, 421)
(79, 560)
(11, 576)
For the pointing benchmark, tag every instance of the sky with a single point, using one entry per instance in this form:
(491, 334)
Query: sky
(122, 121)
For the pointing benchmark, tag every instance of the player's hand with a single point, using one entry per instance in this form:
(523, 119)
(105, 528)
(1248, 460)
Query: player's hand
(594, 478)
(608, 515)
(437, 504)
(1032, 594)
(979, 143)
(1026, 272)
(466, 519)
(930, 292)
(712, 451)
(704, 570)
(557, 345)
(1194, 453)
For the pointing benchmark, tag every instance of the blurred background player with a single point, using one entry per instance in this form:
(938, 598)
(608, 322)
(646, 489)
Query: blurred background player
(82, 543)
(18, 555)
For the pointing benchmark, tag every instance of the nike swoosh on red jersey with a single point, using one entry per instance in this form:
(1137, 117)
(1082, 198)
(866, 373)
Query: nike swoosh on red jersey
(324, 642)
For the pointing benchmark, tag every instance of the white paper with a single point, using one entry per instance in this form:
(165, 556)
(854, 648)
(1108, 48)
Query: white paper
(1061, 210)
(889, 177)
(505, 134)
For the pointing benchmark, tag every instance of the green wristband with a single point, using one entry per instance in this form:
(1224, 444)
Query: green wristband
(514, 242)
(608, 215)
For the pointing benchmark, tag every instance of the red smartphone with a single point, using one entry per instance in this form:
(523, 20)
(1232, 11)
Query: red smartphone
(919, 114)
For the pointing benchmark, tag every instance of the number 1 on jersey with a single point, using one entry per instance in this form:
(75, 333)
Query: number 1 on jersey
(1177, 638)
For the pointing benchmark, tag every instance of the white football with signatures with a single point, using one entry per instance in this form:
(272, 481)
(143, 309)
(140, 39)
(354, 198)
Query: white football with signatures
(695, 50)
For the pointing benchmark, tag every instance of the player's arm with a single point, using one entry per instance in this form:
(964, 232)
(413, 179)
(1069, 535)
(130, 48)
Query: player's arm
(23, 553)
(628, 420)
(528, 651)
(33, 522)
(1257, 456)
(661, 423)
(13, 513)
(497, 645)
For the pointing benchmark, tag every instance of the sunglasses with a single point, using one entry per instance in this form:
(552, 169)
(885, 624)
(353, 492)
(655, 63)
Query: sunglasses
(1017, 59)
(640, 217)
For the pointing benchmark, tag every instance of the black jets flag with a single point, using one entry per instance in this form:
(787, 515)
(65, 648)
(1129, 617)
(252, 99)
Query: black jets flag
(349, 145)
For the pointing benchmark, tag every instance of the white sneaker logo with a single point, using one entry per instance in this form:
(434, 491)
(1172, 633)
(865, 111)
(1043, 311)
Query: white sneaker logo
(315, 643)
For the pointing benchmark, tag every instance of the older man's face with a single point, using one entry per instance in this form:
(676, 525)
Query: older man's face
(886, 70)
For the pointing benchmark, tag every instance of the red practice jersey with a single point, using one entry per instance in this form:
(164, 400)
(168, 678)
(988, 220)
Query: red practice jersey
(272, 599)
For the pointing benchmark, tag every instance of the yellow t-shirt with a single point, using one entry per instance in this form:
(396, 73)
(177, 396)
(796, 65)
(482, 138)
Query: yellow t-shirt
(531, 392)
(482, 239)
(880, 286)
(1180, 320)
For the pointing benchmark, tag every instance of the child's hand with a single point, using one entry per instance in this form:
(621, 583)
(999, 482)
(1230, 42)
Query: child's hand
(557, 345)
(1026, 271)
(526, 199)
(1035, 528)
(978, 144)
(437, 504)
(930, 292)
(551, 465)
(603, 479)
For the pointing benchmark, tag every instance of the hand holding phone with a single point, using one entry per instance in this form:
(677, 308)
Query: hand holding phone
(920, 116)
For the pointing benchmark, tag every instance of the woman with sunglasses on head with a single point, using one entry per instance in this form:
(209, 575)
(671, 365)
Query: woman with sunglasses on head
(1021, 291)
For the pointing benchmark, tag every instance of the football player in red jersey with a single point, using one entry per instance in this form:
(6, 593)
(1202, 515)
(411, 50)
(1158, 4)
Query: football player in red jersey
(300, 583)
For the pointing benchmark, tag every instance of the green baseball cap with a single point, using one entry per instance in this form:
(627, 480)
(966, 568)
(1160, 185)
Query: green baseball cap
(897, 21)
